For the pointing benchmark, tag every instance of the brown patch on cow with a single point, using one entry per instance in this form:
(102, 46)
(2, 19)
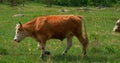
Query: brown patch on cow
(59, 27)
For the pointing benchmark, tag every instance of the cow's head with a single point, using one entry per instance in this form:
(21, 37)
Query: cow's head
(117, 26)
(21, 33)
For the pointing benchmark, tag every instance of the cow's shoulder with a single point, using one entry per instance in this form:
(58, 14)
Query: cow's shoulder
(40, 22)
(40, 19)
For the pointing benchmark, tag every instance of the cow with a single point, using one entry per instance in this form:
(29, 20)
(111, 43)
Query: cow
(117, 26)
(59, 27)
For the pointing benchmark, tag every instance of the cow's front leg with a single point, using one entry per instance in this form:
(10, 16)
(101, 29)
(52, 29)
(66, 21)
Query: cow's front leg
(41, 45)
(69, 44)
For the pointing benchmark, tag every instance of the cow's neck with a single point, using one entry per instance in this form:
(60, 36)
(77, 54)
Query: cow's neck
(30, 27)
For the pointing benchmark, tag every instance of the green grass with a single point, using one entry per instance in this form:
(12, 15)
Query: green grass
(104, 44)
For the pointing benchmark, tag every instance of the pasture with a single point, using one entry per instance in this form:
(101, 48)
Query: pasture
(104, 44)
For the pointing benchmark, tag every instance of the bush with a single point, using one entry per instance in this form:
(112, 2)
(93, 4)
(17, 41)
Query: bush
(105, 3)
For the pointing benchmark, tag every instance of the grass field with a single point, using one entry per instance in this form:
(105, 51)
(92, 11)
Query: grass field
(104, 44)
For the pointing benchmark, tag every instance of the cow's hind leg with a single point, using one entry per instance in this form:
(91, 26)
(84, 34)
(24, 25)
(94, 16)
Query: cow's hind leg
(83, 42)
(69, 44)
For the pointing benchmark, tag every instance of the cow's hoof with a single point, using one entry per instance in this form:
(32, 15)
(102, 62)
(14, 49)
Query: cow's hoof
(47, 52)
(63, 54)
(41, 56)
(84, 55)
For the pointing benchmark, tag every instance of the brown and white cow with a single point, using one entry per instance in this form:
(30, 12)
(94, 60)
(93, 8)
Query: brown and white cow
(53, 26)
(117, 26)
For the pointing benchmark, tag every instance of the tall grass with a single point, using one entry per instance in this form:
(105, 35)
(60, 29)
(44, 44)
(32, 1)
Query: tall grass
(104, 44)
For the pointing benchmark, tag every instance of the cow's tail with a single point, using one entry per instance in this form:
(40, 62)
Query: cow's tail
(85, 30)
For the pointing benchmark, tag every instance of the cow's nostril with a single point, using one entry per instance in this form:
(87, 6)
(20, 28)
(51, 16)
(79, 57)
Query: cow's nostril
(14, 39)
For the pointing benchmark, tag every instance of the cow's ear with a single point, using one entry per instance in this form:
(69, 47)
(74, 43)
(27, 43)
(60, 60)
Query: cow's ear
(20, 24)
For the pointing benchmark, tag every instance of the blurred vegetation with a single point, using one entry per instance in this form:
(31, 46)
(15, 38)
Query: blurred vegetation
(49, 3)
(104, 44)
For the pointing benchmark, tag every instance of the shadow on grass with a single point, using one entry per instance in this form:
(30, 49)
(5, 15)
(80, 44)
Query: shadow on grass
(67, 58)
(74, 58)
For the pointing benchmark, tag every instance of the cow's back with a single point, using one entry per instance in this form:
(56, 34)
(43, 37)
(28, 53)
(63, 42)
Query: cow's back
(64, 22)
(59, 26)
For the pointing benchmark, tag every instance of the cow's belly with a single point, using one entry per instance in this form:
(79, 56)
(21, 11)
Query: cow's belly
(59, 32)
(61, 36)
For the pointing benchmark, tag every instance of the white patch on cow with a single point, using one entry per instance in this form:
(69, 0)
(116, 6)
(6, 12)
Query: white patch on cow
(118, 21)
(20, 34)
(117, 25)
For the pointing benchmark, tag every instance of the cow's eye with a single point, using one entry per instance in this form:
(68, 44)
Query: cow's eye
(19, 29)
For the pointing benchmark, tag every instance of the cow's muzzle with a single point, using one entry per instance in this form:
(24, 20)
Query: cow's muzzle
(16, 40)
